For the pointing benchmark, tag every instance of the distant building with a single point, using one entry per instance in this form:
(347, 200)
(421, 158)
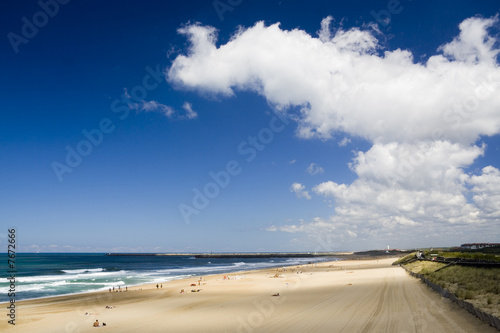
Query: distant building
(475, 246)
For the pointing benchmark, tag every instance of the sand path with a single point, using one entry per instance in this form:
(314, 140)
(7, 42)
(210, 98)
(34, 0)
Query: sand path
(348, 296)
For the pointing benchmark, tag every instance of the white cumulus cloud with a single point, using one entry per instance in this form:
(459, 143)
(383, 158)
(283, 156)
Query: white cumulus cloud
(300, 191)
(486, 190)
(424, 120)
(342, 84)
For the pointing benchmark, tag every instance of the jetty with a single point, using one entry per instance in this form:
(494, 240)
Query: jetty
(240, 254)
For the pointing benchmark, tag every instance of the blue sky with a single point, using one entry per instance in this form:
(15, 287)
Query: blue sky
(348, 126)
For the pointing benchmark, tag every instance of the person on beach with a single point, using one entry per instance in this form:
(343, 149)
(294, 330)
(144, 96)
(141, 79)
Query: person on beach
(157, 286)
(96, 323)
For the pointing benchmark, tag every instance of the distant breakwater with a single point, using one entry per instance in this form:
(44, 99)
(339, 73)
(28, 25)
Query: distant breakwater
(234, 255)
(373, 254)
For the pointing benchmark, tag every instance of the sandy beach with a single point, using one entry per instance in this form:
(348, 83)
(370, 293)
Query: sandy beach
(342, 296)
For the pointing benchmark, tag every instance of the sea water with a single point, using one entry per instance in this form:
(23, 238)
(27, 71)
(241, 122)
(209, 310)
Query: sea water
(53, 274)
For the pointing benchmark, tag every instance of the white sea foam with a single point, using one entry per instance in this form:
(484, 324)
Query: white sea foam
(75, 281)
(80, 271)
(195, 270)
(41, 278)
(45, 278)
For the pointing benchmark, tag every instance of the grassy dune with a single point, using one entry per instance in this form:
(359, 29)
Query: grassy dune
(479, 286)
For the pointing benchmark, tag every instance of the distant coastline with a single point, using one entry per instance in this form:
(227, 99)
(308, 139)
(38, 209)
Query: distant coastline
(230, 255)
(345, 255)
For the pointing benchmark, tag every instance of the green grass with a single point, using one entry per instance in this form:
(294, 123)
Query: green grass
(480, 286)
(470, 255)
(490, 250)
(405, 259)
(453, 254)
(492, 256)
(424, 267)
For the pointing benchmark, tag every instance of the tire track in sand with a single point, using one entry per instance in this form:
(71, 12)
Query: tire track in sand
(378, 309)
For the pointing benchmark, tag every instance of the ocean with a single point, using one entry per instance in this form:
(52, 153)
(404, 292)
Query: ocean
(54, 274)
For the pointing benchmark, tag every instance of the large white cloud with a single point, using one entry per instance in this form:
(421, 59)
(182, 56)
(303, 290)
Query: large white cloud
(486, 190)
(424, 119)
(342, 84)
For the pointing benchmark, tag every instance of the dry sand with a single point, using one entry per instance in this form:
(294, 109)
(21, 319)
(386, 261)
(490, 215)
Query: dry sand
(344, 296)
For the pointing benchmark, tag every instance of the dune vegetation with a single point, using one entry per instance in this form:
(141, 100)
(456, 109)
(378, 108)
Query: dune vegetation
(477, 285)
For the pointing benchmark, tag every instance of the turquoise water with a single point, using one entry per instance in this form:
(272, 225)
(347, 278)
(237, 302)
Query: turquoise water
(43, 275)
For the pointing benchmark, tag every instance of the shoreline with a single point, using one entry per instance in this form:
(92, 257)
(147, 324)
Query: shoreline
(338, 255)
(151, 285)
(351, 295)
(236, 255)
